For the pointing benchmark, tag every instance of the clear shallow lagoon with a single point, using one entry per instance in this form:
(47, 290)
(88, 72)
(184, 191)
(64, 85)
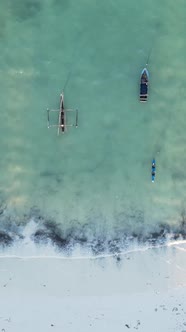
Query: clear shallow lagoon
(95, 181)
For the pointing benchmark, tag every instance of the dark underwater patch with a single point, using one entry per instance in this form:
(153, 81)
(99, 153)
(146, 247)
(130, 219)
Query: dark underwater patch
(2, 26)
(63, 5)
(5, 239)
(178, 175)
(43, 236)
(25, 9)
(54, 176)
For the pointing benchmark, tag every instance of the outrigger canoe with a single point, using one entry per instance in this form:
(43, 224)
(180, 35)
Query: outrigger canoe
(153, 172)
(62, 119)
(144, 81)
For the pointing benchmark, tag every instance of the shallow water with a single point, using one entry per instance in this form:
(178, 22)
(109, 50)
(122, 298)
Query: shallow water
(96, 179)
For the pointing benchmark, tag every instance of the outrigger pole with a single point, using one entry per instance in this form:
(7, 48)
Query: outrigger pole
(62, 119)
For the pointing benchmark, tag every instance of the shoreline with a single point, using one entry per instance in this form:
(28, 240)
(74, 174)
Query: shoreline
(82, 253)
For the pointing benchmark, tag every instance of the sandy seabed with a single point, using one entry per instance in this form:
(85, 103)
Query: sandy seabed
(144, 290)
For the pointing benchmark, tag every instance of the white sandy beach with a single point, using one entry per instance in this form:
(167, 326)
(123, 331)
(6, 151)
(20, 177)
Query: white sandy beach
(144, 291)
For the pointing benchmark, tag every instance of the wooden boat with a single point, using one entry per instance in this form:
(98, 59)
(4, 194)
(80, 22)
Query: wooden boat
(62, 119)
(153, 171)
(144, 81)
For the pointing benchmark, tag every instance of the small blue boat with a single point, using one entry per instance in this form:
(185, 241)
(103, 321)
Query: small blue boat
(144, 81)
(153, 172)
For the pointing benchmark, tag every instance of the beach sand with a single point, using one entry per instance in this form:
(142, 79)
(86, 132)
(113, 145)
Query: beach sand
(143, 290)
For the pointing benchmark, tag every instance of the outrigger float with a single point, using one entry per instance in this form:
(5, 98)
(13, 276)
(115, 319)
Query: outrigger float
(62, 119)
(144, 81)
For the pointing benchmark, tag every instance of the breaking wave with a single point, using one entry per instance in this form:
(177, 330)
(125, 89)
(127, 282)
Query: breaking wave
(38, 234)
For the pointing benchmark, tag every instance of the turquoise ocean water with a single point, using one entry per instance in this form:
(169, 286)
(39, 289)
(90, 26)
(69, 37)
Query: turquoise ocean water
(94, 183)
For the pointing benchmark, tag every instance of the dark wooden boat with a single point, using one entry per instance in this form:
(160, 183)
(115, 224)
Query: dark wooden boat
(144, 81)
(62, 117)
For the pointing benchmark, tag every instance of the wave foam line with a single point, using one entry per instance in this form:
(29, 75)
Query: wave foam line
(114, 255)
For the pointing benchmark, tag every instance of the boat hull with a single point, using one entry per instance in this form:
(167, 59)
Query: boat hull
(62, 114)
(144, 81)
